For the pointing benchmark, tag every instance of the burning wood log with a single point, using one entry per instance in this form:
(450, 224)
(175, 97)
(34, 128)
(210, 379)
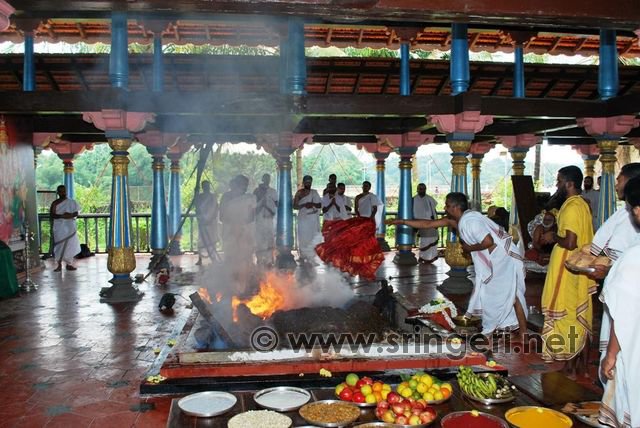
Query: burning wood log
(208, 316)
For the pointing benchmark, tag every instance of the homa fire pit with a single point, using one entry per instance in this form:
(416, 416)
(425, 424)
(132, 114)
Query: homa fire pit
(238, 337)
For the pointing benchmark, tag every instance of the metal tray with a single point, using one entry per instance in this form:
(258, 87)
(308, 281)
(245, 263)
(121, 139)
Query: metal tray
(305, 396)
(574, 268)
(486, 415)
(490, 401)
(587, 421)
(207, 404)
(331, 424)
(388, 425)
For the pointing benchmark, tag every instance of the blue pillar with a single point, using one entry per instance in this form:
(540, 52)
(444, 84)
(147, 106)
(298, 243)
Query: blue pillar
(120, 260)
(159, 239)
(459, 71)
(405, 76)
(284, 68)
(158, 63)
(518, 72)
(454, 256)
(608, 68)
(68, 177)
(284, 219)
(381, 232)
(119, 56)
(476, 194)
(29, 71)
(296, 62)
(404, 234)
(175, 204)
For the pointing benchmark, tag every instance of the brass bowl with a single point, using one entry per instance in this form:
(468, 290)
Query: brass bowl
(462, 321)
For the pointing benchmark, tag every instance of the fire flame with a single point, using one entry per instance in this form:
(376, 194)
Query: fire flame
(269, 299)
(204, 295)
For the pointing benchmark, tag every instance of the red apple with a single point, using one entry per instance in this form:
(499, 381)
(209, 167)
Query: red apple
(367, 380)
(360, 383)
(398, 409)
(394, 398)
(426, 417)
(402, 420)
(419, 406)
(358, 397)
(380, 412)
(416, 411)
(346, 394)
(384, 404)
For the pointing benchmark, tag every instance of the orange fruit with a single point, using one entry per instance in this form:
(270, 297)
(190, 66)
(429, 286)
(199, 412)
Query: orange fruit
(445, 392)
(377, 386)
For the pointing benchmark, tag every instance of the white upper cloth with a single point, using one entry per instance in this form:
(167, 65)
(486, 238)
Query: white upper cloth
(366, 204)
(621, 296)
(309, 224)
(65, 236)
(333, 213)
(616, 234)
(266, 202)
(499, 276)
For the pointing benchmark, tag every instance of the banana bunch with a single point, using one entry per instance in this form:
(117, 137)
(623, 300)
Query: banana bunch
(478, 387)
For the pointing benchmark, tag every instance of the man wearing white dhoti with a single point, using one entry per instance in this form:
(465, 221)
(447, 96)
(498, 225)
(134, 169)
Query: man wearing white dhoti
(266, 207)
(621, 297)
(206, 204)
(308, 203)
(424, 208)
(498, 292)
(66, 244)
(366, 202)
(348, 203)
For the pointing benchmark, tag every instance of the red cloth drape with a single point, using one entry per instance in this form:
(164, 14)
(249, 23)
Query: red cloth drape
(351, 246)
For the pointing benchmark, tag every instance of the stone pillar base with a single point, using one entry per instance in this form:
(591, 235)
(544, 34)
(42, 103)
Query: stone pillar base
(405, 258)
(457, 283)
(174, 248)
(122, 291)
(384, 245)
(159, 260)
(285, 260)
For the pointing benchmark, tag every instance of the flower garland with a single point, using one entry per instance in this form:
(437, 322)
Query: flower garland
(440, 306)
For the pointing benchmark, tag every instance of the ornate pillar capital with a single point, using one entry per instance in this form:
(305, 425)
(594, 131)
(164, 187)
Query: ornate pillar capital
(587, 150)
(119, 123)
(480, 149)
(521, 141)
(461, 126)
(6, 10)
(608, 127)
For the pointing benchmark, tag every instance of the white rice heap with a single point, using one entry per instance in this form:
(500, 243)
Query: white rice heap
(260, 418)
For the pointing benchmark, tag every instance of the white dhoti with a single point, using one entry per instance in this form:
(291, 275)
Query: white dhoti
(424, 208)
(265, 239)
(65, 232)
(621, 297)
(309, 226)
(499, 279)
(267, 206)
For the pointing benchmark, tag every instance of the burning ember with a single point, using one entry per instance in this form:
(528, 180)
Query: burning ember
(204, 295)
(270, 298)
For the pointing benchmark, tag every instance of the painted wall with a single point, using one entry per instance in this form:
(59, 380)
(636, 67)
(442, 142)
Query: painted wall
(17, 191)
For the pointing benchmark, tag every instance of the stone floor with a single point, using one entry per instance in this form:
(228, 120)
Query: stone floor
(67, 360)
